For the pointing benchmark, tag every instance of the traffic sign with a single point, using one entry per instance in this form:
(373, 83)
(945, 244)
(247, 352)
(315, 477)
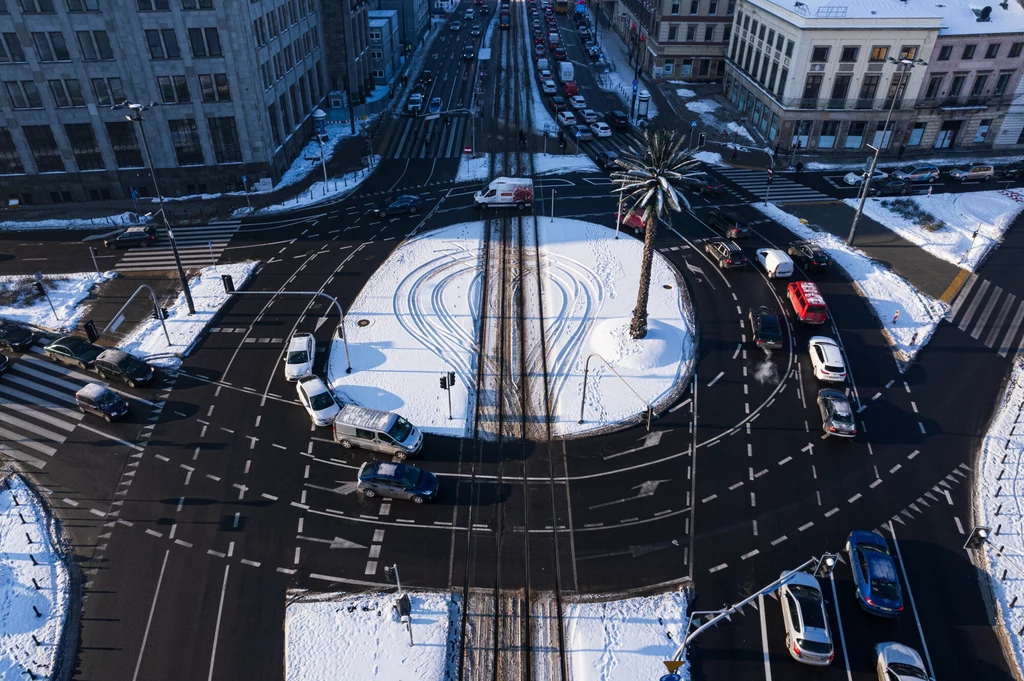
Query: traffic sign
(635, 82)
(693, 124)
(468, 151)
(634, 87)
(672, 665)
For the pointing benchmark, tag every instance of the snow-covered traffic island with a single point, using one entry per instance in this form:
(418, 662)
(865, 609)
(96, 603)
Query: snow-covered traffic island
(418, 318)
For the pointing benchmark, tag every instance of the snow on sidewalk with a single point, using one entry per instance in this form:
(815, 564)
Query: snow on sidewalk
(359, 636)
(66, 291)
(999, 505)
(112, 221)
(886, 291)
(975, 223)
(560, 164)
(26, 533)
(333, 190)
(207, 288)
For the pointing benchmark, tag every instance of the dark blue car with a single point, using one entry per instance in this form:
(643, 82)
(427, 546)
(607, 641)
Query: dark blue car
(874, 574)
(396, 481)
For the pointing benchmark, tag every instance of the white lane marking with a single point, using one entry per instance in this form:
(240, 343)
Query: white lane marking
(913, 605)
(719, 567)
(715, 379)
(152, 609)
(776, 542)
(764, 640)
(750, 554)
(216, 630)
(839, 619)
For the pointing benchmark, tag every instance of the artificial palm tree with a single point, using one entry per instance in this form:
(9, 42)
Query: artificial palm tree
(651, 180)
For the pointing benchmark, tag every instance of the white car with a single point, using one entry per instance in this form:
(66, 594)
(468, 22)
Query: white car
(827, 359)
(601, 129)
(298, 362)
(897, 662)
(577, 102)
(549, 87)
(803, 612)
(566, 119)
(857, 179)
(588, 116)
(545, 74)
(317, 399)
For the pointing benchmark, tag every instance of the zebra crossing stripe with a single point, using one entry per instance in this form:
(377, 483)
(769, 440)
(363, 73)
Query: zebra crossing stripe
(1000, 318)
(1018, 317)
(963, 294)
(22, 456)
(973, 307)
(987, 312)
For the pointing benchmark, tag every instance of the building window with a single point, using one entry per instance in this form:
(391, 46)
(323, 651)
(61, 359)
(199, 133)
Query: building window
(675, 7)
(36, 6)
(375, 35)
(197, 4)
(760, 33)
(163, 44)
(125, 144)
(83, 5)
(849, 54)
(908, 52)
(855, 136)
(95, 45)
(51, 46)
(214, 87)
(746, 22)
(694, 6)
(730, 8)
(84, 146)
(154, 5)
(957, 86)
(10, 161)
(969, 51)
(668, 67)
(945, 52)
(829, 132)
(282, 103)
(205, 42)
(1015, 49)
(673, 33)
(173, 89)
(709, 33)
(713, 8)
(868, 88)
(933, 86)
(771, 38)
(774, 75)
(23, 94)
(376, 54)
(185, 138)
(67, 93)
(783, 77)
(789, 48)
(840, 89)
(982, 131)
(686, 69)
(778, 43)
(108, 91)
(879, 53)
(1001, 83)
(811, 88)
(691, 32)
(819, 54)
(44, 148)
(916, 134)
(993, 51)
(979, 86)
(293, 92)
(10, 48)
(225, 139)
(727, 33)
(272, 112)
(378, 73)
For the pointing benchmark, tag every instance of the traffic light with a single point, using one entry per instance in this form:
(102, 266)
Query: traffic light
(451, 378)
(444, 383)
(229, 284)
(90, 331)
(700, 139)
(159, 313)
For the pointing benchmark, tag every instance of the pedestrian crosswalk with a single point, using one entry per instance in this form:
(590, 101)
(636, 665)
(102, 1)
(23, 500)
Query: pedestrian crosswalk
(198, 246)
(415, 137)
(988, 313)
(783, 189)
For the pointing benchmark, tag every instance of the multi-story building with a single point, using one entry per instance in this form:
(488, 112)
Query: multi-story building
(692, 38)
(347, 42)
(236, 83)
(385, 47)
(414, 19)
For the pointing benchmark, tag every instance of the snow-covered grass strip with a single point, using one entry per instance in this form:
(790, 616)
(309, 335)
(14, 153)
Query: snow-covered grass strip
(333, 190)
(969, 225)
(34, 585)
(999, 504)
(473, 168)
(20, 302)
(559, 164)
(208, 295)
(886, 291)
(110, 221)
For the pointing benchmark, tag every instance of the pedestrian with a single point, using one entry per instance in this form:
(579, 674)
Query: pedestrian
(799, 167)
(793, 145)
(896, 317)
(929, 190)
(799, 144)
(903, 147)
(776, 150)
(734, 150)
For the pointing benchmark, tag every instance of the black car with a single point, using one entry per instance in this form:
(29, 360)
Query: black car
(728, 224)
(4, 363)
(891, 188)
(764, 327)
(119, 364)
(426, 77)
(73, 351)
(1013, 171)
(836, 414)
(607, 160)
(131, 237)
(560, 54)
(406, 203)
(725, 253)
(618, 120)
(558, 102)
(702, 184)
(15, 338)
(468, 52)
(484, 11)
(809, 255)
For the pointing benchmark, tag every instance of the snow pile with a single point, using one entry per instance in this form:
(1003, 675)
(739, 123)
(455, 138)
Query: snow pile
(624, 640)
(24, 535)
(712, 158)
(336, 189)
(473, 168)
(22, 304)
(121, 220)
(417, 318)
(703, 106)
(735, 128)
(999, 505)
(208, 296)
(886, 291)
(686, 94)
(301, 168)
(340, 636)
(559, 164)
(975, 223)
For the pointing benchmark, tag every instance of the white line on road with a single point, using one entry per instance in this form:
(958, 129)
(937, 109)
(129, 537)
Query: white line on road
(913, 606)
(719, 567)
(839, 619)
(805, 526)
(750, 554)
(764, 640)
(776, 542)
(152, 609)
(715, 379)
(216, 630)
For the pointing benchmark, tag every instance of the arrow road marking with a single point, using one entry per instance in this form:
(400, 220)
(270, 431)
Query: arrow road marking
(343, 488)
(646, 490)
(650, 440)
(336, 543)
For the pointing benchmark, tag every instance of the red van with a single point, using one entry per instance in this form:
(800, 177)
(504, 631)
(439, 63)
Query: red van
(807, 302)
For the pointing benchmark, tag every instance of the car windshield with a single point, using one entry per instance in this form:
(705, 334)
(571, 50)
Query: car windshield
(131, 365)
(814, 646)
(298, 357)
(810, 605)
(401, 430)
(321, 401)
(410, 476)
(907, 670)
(883, 588)
(108, 399)
(873, 549)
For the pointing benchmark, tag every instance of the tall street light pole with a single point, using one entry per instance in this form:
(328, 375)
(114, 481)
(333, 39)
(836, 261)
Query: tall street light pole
(906, 65)
(136, 116)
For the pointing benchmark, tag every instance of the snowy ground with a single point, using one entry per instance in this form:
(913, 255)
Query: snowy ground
(25, 534)
(422, 307)
(66, 291)
(975, 223)
(620, 78)
(895, 163)
(359, 637)
(559, 164)
(543, 123)
(122, 220)
(208, 295)
(336, 189)
(711, 158)
(886, 291)
(302, 168)
(624, 640)
(472, 168)
(999, 505)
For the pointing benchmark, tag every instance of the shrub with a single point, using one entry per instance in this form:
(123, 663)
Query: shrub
(909, 209)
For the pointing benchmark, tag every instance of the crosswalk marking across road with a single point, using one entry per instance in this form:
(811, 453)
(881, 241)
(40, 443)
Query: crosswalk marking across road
(783, 189)
(199, 246)
(987, 313)
(446, 141)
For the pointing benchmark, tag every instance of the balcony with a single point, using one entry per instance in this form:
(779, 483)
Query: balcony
(963, 102)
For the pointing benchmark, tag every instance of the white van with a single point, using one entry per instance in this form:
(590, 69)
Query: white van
(775, 262)
(506, 191)
(378, 431)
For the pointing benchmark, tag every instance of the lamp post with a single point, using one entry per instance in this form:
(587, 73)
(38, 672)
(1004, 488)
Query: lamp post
(906, 64)
(320, 125)
(136, 116)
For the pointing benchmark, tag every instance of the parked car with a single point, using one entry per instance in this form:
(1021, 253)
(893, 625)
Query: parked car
(15, 337)
(73, 351)
(764, 327)
(728, 224)
(93, 398)
(725, 253)
(396, 481)
(406, 203)
(827, 359)
(131, 237)
(857, 179)
(317, 399)
(601, 129)
(981, 171)
(836, 414)
(1012, 171)
(891, 188)
(874, 574)
(298, 361)
(582, 133)
(810, 255)
(114, 363)
(897, 662)
(918, 173)
(808, 638)
(618, 120)
(549, 87)
(607, 159)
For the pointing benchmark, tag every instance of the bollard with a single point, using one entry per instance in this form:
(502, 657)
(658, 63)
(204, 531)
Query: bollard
(1021, 632)
(1013, 603)
(999, 491)
(1000, 476)
(28, 537)
(36, 640)
(30, 674)
(36, 584)
(36, 611)
(999, 527)
(998, 509)
(23, 521)
(15, 498)
(34, 561)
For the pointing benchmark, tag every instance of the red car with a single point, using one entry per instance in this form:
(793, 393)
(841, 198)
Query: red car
(560, 54)
(634, 220)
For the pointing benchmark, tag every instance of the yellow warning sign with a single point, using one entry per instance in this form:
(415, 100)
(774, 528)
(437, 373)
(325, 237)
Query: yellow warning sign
(673, 665)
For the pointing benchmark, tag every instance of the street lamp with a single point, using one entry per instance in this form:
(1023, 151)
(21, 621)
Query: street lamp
(907, 64)
(320, 125)
(136, 116)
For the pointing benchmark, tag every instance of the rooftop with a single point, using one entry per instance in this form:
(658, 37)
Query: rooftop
(954, 17)
(961, 18)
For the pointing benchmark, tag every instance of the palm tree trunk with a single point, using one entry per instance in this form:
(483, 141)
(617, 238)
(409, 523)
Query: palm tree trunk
(638, 327)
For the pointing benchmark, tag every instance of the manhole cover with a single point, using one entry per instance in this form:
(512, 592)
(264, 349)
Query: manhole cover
(363, 322)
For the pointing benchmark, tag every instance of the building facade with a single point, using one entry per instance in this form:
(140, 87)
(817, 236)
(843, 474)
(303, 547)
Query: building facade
(235, 84)
(347, 46)
(385, 46)
(414, 19)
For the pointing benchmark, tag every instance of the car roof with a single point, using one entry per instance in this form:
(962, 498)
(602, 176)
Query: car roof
(386, 469)
(362, 417)
(829, 347)
(803, 579)
(114, 355)
(298, 341)
(70, 341)
(131, 230)
(811, 292)
(92, 390)
(881, 567)
(312, 382)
